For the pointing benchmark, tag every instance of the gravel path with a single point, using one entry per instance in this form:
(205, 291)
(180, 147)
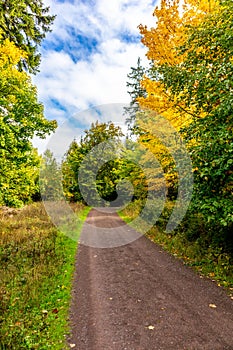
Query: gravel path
(138, 297)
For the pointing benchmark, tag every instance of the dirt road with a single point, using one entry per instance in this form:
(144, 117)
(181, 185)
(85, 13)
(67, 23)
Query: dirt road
(138, 297)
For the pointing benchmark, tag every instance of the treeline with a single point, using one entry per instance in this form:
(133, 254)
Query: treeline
(189, 83)
(96, 170)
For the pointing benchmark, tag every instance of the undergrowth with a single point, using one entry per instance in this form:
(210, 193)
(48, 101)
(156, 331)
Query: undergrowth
(37, 262)
(190, 243)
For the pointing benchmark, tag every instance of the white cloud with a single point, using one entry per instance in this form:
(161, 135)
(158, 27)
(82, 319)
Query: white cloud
(87, 56)
(73, 127)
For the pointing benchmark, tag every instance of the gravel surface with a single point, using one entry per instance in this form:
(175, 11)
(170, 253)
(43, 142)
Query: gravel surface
(138, 297)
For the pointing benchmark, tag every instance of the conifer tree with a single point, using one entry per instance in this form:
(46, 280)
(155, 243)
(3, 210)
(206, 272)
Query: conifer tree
(25, 23)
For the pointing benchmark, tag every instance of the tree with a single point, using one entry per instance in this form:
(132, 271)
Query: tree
(204, 80)
(21, 118)
(159, 139)
(162, 41)
(50, 178)
(131, 169)
(136, 90)
(170, 32)
(70, 168)
(25, 23)
(18, 176)
(21, 112)
(97, 153)
(172, 21)
(192, 88)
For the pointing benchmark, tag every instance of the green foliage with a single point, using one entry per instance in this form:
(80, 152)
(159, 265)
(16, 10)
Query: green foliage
(100, 132)
(203, 82)
(21, 118)
(50, 178)
(70, 168)
(194, 82)
(18, 178)
(136, 90)
(191, 85)
(37, 264)
(25, 23)
(105, 178)
(131, 169)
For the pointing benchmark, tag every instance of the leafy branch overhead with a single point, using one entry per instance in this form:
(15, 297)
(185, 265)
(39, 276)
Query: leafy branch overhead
(25, 23)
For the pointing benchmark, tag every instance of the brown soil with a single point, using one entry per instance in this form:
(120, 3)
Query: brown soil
(138, 297)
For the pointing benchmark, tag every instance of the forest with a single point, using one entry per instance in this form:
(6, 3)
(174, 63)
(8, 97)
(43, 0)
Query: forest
(188, 86)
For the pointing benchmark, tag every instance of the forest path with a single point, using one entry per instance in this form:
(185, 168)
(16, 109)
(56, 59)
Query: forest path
(138, 297)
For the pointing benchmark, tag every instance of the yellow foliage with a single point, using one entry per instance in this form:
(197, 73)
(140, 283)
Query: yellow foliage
(11, 78)
(158, 100)
(161, 40)
(10, 54)
(159, 141)
(170, 32)
(173, 16)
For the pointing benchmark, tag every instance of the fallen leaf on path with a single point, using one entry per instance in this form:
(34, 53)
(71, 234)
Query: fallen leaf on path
(213, 306)
(151, 327)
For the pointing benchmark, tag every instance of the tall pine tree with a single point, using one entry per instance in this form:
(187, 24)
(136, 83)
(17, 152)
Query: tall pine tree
(135, 90)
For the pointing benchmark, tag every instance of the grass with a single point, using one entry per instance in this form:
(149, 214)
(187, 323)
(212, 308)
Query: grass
(37, 262)
(208, 260)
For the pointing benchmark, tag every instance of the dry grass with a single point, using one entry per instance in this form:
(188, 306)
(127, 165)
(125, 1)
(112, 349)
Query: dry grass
(36, 270)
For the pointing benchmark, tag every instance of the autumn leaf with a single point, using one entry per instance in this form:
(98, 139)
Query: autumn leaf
(151, 327)
(213, 306)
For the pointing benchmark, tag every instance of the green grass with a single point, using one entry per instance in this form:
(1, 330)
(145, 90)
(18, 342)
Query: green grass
(207, 259)
(37, 264)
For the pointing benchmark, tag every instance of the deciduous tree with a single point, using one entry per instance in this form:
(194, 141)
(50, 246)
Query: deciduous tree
(21, 118)
(204, 80)
(89, 150)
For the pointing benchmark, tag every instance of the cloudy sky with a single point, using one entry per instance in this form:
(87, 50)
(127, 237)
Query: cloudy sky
(87, 56)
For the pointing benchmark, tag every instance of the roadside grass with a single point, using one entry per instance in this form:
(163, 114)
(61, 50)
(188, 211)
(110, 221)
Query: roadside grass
(207, 259)
(37, 263)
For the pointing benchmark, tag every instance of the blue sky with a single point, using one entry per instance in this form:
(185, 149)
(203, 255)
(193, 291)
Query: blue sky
(87, 56)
